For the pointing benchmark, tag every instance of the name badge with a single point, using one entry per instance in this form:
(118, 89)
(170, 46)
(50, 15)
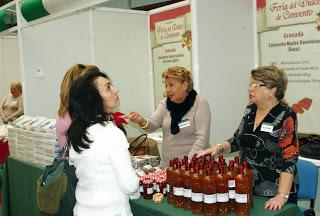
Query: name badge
(184, 123)
(267, 127)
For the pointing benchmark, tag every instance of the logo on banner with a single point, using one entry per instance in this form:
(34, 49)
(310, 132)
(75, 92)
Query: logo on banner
(169, 31)
(288, 12)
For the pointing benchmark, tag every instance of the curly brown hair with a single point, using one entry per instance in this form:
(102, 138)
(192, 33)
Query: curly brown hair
(180, 73)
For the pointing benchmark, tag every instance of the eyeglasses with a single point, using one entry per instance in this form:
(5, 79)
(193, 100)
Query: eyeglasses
(256, 85)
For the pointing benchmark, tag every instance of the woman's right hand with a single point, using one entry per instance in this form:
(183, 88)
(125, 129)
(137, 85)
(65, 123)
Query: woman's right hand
(136, 118)
(212, 151)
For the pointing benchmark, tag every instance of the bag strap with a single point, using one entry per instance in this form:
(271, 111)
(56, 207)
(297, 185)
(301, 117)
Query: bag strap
(137, 139)
(65, 150)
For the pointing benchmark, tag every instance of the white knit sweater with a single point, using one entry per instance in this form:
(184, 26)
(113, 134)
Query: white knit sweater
(106, 177)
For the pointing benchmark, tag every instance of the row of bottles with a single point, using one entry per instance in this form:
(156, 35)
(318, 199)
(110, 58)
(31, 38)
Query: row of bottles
(210, 187)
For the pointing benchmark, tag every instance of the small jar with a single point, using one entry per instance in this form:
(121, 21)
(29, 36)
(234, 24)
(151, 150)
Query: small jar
(147, 188)
(162, 186)
(142, 178)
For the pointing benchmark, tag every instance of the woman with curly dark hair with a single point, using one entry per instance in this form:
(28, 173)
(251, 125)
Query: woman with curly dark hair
(99, 150)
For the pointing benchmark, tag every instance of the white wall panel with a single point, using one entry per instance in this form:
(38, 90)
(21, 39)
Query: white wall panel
(122, 49)
(225, 57)
(52, 46)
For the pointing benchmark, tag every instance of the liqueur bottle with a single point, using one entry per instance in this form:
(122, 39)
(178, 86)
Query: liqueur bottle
(178, 187)
(196, 192)
(209, 194)
(170, 171)
(231, 184)
(236, 164)
(242, 205)
(248, 172)
(212, 162)
(222, 193)
(186, 176)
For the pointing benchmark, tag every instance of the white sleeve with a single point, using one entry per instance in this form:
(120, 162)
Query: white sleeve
(121, 164)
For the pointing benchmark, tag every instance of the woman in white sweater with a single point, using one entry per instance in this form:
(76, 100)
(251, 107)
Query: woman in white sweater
(99, 150)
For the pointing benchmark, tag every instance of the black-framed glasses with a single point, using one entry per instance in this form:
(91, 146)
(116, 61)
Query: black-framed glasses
(256, 85)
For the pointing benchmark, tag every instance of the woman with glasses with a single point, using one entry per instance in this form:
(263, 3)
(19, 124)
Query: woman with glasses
(267, 138)
(183, 115)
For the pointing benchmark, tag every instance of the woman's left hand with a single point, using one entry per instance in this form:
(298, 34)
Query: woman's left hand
(275, 203)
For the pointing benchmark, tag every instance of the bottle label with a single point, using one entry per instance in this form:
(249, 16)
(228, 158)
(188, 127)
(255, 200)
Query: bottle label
(231, 183)
(141, 189)
(196, 197)
(241, 198)
(222, 197)
(168, 188)
(232, 194)
(177, 191)
(212, 198)
(164, 191)
(155, 186)
(150, 190)
(187, 193)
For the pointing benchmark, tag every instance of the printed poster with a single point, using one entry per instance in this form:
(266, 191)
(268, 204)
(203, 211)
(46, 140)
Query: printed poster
(171, 44)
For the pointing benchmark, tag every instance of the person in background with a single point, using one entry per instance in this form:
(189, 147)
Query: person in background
(99, 149)
(12, 106)
(183, 115)
(267, 138)
(63, 120)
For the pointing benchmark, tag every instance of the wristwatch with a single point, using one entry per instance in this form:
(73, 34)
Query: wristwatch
(286, 196)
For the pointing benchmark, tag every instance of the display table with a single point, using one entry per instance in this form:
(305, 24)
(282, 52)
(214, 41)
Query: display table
(19, 196)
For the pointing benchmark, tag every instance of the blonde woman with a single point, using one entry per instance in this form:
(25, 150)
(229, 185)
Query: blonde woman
(183, 115)
(12, 106)
(63, 118)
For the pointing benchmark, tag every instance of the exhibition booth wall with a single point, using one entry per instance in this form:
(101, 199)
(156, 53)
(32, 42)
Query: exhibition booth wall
(222, 54)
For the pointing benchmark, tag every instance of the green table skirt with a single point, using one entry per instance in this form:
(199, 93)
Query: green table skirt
(19, 196)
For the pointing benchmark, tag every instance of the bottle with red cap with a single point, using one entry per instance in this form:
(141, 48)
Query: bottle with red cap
(248, 172)
(222, 192)
(231, 184)
(209, 194)
(236, 164)
(170, 178)
(178, 187)
(186, 175)
(242, 205)
(196, 192)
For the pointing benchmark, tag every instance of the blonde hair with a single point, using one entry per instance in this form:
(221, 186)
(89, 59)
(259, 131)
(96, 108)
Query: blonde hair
(272, 76)
(179, 73)
(72, 74)
(16, 85)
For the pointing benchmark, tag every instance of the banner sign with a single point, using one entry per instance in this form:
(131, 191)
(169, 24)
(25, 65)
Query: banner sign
(170, 33)
(287, 12)
(296, 49)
